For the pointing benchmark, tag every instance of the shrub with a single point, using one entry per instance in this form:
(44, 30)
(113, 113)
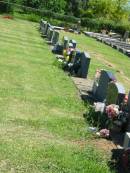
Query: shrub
(4, 8)
(98, 24)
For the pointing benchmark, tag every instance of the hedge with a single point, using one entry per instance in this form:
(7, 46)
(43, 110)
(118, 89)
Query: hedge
(98, 24)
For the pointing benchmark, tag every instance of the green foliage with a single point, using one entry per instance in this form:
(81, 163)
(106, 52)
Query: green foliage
(5, 8)
(99, 24)
(95, 118)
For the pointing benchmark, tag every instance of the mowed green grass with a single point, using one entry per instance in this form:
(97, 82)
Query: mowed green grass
(42, 129)
(104, 57)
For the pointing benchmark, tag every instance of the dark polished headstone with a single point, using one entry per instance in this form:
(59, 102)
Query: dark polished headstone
(84, 65)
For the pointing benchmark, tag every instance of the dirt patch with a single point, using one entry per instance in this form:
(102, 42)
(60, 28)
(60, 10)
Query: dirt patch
(100, 144)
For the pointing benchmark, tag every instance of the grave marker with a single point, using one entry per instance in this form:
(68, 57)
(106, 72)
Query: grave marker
(115, 93)
(47, 25)
(55, 37)
(84, 65)
(74, 43)
(126, 36)
(101, 91)
(65, 42)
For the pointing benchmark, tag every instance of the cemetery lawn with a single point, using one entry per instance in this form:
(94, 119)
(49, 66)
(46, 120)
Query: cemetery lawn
(42, 129)
(104, 57)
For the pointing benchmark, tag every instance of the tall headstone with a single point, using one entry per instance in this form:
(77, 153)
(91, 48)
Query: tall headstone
(115, 93)
(50, 34)
(101, 91)
(42, 26)
(55, 37)
(47, 25)
(84, 65)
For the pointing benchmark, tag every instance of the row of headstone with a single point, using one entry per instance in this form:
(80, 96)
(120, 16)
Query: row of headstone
(79, 61)
(48, 31)
(114, 40)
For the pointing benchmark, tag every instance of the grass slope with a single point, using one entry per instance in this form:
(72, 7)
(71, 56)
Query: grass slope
(41, 125)
(104, 57)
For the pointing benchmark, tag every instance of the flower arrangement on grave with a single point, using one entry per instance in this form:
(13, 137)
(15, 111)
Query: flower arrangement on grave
(105, 133)
(112, 111)
(117, 118)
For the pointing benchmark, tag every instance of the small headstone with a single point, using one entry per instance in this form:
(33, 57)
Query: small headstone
(115, 93)
(55, 37)
(46, 28)
(42, 25)
(58, 49)
(127, 141)
(101, 91)
(74, 43)
(85, 62)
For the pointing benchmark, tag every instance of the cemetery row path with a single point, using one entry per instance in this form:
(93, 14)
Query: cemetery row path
(104, 57)
(41, 124)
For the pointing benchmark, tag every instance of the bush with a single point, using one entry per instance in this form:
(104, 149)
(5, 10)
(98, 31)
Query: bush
(5, 8)
(98, 24)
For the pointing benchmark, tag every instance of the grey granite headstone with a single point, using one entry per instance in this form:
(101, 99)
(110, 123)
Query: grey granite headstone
(42, 26)
(46, 28)
(101, 91)
(55, 37)
(85, 62)
(50, 34)
(115, 93)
